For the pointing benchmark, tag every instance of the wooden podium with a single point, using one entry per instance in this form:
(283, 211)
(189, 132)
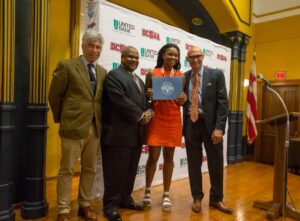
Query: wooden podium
(277, 205)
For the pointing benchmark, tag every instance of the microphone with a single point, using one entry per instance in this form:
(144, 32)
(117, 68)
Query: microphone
(261, 77)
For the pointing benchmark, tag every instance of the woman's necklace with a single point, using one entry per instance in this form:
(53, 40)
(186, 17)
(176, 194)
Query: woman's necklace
(171, 74)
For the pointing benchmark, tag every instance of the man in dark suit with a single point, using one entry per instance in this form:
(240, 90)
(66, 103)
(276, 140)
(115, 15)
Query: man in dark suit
(75, 96)
(205, 124)
(124, 117)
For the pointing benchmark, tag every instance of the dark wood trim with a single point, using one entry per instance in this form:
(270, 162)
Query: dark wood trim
(260, 89)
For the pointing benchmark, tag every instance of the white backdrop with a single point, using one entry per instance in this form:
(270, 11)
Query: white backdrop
(120, 27)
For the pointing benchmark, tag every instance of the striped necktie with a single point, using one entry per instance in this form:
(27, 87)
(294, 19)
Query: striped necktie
(92, 77)
(194, 99)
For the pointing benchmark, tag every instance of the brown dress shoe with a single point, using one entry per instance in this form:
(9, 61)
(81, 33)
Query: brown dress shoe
(220, 206)
(63, 217)
(196, 207)
(87, 214)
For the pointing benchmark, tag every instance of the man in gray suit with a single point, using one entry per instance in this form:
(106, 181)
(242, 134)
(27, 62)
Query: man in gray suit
(75, 98)
(206, 126)
(124, 117)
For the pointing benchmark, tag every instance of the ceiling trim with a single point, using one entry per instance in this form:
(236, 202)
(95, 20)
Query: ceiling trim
(275, 12)
(281, 15)
(237, 13)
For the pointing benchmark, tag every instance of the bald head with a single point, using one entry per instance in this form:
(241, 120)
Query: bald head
(130, 58)
(195, 58)
(127, 50)
(194, 50)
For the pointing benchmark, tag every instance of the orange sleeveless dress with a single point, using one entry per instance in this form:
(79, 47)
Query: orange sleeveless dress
(165, 128)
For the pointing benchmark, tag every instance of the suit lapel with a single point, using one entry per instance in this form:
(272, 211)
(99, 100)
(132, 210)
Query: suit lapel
(142, 91)
(131, 79)
(99, 80)
(139, 89)
(188, 79)
(80, 68)
(204, 81)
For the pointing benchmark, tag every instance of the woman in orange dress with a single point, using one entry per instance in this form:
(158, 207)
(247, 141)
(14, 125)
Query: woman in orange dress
(165, 129)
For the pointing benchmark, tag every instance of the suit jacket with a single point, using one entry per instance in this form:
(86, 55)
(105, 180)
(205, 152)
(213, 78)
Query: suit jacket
(72, 100)
(214, 100)
(123, 105)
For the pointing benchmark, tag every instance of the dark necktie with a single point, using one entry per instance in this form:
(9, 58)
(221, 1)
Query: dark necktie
(92, 77)
(194, 102)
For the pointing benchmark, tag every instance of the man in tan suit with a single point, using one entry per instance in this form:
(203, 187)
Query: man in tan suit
(75, 98)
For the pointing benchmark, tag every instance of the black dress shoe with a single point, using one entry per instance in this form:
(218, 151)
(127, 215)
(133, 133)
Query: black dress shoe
(220, 206)
(133, 206)
(114, 216)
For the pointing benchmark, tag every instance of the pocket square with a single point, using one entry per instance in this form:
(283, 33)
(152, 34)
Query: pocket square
(209, 84)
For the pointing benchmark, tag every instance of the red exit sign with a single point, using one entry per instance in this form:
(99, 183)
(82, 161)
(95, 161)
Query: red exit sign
(280, 75)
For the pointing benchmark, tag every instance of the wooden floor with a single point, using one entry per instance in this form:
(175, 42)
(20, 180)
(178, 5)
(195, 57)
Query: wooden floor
(243, 183)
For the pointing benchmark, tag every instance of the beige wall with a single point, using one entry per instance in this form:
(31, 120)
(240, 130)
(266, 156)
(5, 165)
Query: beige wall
(278, 47)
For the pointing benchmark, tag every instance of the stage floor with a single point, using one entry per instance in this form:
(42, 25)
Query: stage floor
(243, 184)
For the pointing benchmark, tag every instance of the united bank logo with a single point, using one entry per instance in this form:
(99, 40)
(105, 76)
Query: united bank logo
(173, 40)
(207, 52)
(115, 65)
(150, 34)
(183, 162)
(141, 170)
(186, 63)
(116, 46)
(123, 26)
(148, 53)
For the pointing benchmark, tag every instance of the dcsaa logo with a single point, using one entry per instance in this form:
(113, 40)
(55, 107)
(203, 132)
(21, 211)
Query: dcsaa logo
(167, 88)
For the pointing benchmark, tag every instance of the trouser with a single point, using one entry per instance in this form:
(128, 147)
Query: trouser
(196, 134)
(85, 149)
(119, 170)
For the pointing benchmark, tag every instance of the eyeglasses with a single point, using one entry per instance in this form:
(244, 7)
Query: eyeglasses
(198, 56)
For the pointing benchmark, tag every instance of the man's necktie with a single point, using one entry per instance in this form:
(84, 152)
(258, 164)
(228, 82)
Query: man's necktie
(136, 80)
(194, 102)
(92, 77)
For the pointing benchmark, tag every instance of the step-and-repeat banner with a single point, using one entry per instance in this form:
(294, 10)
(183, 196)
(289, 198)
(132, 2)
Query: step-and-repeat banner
(121, 27)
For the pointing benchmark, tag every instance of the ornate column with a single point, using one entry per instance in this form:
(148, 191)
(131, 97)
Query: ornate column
(7, 108)
(235, 120)
(35, 204)
(239, 142)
